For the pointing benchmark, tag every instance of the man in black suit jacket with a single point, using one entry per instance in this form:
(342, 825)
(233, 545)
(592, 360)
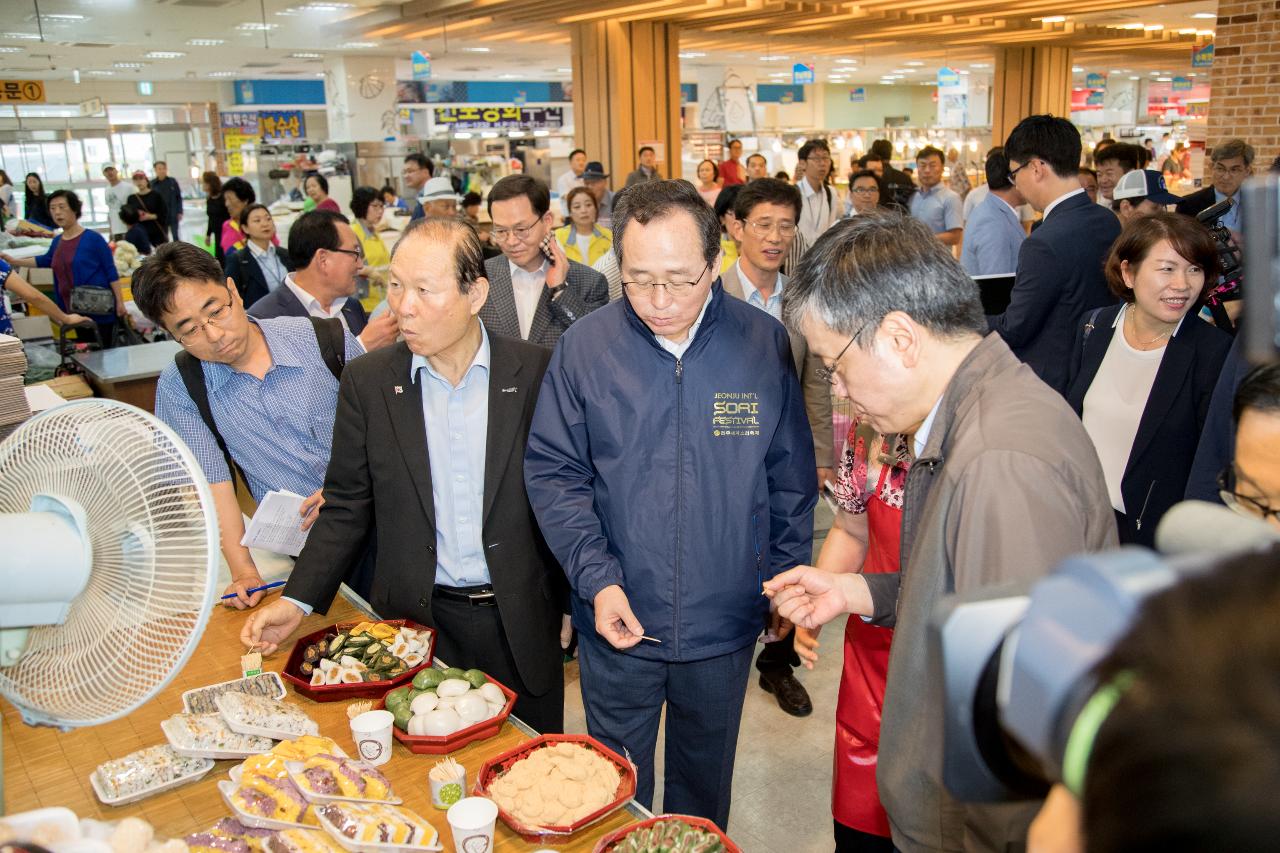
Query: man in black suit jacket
(535, 292)
(326, 256)
(1232, 163)
(1060, 266)
(431, 435)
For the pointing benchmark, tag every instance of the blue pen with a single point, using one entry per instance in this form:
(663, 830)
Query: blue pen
(271, 585)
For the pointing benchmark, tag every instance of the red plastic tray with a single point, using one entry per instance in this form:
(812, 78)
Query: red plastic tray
(430, 745)
(367, 689)
(494, 768)
(607, 844)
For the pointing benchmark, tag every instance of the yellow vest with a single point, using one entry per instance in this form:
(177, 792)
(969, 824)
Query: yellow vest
(601, 242)
(375, 251)
(730, 250)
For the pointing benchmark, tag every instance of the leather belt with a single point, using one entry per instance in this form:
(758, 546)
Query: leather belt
(476, 596)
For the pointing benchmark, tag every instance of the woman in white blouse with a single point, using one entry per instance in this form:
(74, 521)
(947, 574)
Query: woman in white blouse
(1145, 369)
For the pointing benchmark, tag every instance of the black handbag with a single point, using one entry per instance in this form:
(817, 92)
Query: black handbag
(93, 300)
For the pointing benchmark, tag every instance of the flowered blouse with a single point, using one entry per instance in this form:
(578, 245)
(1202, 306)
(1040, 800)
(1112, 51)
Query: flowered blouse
(865, 455)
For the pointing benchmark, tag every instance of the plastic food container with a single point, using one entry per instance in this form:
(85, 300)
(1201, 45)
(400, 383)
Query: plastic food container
(495, 767)
(183, 745)
(337, 692)
(146, 772)
(610, 841)
(296, 769)
(430, 745)
(227, 787)
(199, 700)
(57, 825)
(242, 713)
(374, 847)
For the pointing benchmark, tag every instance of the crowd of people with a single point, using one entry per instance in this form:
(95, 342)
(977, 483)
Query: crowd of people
(603, 421)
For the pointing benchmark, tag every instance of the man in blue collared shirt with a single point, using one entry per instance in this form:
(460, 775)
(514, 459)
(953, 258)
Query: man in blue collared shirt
(936, 204)
(431, 433)
(270, 392)
(994, 232)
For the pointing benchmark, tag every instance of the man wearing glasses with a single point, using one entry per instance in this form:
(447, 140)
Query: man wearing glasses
(764, 226)
(1002, 487)
(535, 292)
(270, 387)
(326, 257)
(671, 468)
(1232, 162)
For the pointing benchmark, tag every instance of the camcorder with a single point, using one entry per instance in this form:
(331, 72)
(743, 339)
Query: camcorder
(1230, 284)
(1017, 665)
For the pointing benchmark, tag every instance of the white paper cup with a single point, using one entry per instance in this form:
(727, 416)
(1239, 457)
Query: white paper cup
(371, 732)
(449, 792)
(472, 821)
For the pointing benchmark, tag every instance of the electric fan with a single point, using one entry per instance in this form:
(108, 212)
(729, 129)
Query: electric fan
(108, 561)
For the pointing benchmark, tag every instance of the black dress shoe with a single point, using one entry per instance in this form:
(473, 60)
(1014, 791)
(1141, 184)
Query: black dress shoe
(790, 693)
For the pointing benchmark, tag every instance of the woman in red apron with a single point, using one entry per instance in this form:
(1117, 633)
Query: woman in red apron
(866, 537)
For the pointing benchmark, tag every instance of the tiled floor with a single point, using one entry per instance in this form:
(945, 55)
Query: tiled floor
(782, 776)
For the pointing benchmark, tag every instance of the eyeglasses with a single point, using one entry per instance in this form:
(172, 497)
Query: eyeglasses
(818, 158)
(764, 229)
(1013, 173)
(355, 253)
(215, 318)
(1243, 504)
(1236, 171)
(829, 373)
(865, 191)
(675, 288)
(520, 232)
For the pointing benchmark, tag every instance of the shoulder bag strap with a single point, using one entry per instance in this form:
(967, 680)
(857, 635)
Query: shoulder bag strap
(331, 337)
(191, 370)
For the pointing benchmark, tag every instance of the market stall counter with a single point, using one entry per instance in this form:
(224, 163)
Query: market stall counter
(44, 767)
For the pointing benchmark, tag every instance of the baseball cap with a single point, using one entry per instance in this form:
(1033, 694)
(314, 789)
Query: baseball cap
(1144, 183)
(437, 189)
(139, 174)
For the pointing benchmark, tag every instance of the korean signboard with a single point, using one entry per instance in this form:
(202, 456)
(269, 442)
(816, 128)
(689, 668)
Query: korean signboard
(500, 118)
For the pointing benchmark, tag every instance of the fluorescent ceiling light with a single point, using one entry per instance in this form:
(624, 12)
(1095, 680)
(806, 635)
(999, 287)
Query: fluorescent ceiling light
(305, 55)
(255, 26)
(1153, 27)
(564, 70)
(221, 74)
(476, 49)
(773, 58)
(357, 45)
(24, 36)
(914, 63)
(508, 76)
(1052, 19)
(1077, 70)
(322, 6)
(515, 134)
(100, 73)
(691, 54)
(1135, 77)
(58, 16)
(10, 50)
(979, 64)
(844, 61)
(206, 42)
(1206, 16)
(164, 54)
(1164, 79)
(462, 134)
(129, 64)
(542, 133)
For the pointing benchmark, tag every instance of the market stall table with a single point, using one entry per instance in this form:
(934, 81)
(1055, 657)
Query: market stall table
(44, 767)
(128, 374)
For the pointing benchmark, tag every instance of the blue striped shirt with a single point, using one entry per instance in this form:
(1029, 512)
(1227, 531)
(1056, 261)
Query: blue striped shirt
(279, 430)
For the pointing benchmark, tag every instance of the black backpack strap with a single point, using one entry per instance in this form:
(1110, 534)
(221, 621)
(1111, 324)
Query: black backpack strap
(191, 369)
(332, 339)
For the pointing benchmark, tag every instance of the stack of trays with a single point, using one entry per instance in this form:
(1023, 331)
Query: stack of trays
(13, 402)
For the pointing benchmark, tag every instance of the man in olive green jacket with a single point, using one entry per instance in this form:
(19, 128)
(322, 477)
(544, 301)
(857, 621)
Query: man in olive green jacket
(1005, 484)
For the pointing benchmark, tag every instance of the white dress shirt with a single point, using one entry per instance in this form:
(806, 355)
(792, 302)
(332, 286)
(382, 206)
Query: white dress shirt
(679, 349)
(527, 288)
(921, 438)
(771, 306)
(1060, 199)
(313, 306)
(818, 212)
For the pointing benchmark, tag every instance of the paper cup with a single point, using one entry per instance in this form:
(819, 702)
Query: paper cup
(447, 793)
(371, 732)
(472, 821)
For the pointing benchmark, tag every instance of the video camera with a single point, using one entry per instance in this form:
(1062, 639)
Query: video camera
(1231, 282)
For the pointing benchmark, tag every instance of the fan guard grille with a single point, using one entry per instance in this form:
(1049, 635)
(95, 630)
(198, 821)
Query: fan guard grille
(153, 529)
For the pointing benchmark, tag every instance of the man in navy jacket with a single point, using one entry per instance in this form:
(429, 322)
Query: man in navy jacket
(670, 466)
(1060, 275)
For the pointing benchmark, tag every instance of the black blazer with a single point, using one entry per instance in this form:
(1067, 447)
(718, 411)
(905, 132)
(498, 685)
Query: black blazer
(1059, 279)
(1201, 199)
(383, 474)
(282, 303)
(245, 270)
(1169, 431)
(585, 291)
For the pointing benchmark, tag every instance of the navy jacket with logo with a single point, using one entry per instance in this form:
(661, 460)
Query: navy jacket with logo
(687, 482)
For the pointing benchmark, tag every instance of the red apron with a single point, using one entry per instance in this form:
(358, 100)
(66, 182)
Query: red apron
(855, 801)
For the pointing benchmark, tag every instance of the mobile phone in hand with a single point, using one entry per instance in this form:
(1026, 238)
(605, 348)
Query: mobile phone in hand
(545, 246)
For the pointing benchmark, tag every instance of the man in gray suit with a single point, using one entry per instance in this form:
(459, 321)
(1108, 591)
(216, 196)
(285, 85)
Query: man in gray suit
(766, 211)
(535, 292)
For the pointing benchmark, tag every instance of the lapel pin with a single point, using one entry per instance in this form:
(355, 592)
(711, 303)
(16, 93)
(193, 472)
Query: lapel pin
(510, 390)
(399, 389)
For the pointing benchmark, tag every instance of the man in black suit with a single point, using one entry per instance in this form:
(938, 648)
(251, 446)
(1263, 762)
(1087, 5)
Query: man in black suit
(1232, 161)
(431, 435)
(1060, 266)
(326, 256)
(535, 292)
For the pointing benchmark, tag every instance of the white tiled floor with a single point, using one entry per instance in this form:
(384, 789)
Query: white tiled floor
(782, 775)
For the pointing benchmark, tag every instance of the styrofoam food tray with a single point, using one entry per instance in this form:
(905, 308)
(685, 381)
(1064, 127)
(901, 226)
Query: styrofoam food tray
(279, 693)
(192, 752)
(373, 847)
(295, 769)
(59, 819)
(227, 787)
(276, 734)
(142, 795)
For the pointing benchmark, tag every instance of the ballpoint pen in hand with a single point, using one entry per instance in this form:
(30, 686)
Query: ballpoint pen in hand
(263, 588)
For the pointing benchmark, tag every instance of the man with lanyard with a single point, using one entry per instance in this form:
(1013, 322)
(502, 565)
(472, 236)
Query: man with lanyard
(820, 202)
(270, 388)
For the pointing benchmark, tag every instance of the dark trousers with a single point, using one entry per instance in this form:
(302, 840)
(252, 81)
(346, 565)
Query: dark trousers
(624, 695)
(779, 656)
(850, 840)
(472, 636)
